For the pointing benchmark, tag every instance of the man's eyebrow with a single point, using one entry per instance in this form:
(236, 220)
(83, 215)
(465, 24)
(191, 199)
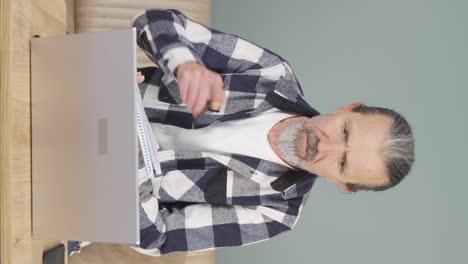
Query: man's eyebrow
(347, 127)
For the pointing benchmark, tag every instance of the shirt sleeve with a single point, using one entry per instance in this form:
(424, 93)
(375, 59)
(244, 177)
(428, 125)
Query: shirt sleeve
(187, 226)
(170, 39)
(202, 226)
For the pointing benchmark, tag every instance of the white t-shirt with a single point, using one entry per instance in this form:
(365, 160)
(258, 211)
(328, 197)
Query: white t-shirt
(246, 136)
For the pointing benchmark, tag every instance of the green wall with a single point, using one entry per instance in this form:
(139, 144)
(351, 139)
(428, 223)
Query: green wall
(407, 55)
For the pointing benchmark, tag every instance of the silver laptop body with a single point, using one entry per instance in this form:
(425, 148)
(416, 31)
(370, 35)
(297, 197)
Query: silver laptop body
(84, 141)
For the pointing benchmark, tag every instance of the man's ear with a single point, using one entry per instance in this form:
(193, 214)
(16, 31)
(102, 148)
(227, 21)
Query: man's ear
(349, 107)
(342, 185)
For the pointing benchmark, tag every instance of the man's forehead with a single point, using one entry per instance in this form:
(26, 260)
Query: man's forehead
(364, 157)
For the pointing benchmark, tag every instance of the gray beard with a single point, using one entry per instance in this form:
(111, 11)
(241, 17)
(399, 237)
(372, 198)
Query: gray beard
(289, 145)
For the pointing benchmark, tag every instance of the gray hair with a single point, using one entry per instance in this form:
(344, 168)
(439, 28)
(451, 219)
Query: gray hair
(398, 148)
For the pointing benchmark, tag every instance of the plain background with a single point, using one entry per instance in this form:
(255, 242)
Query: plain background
(409, 55)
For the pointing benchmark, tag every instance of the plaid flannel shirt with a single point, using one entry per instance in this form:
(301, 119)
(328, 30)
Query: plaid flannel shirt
(207, 200)
(212, 200)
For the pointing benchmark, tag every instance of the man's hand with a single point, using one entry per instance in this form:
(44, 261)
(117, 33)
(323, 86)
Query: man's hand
(198, 85)
(140, 77)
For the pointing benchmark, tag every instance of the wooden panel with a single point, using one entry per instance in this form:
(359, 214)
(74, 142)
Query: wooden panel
(101, 253)
(20, 19)
(98, 15)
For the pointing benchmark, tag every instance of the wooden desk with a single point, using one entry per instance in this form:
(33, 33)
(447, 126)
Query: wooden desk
(19, 21)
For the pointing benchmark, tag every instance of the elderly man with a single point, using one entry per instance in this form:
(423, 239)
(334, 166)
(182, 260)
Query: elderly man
(240, 171)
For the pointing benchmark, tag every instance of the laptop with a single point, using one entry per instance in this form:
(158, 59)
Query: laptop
(84, 141)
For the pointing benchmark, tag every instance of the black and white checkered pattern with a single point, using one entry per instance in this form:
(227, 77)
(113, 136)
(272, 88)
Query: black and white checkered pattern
(210, 200)
(207, 200)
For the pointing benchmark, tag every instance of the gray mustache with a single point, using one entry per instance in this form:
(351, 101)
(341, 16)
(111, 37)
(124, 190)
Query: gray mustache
(313, 141)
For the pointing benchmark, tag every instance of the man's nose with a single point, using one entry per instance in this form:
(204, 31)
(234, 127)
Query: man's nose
(327, 147)
(330, 146)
